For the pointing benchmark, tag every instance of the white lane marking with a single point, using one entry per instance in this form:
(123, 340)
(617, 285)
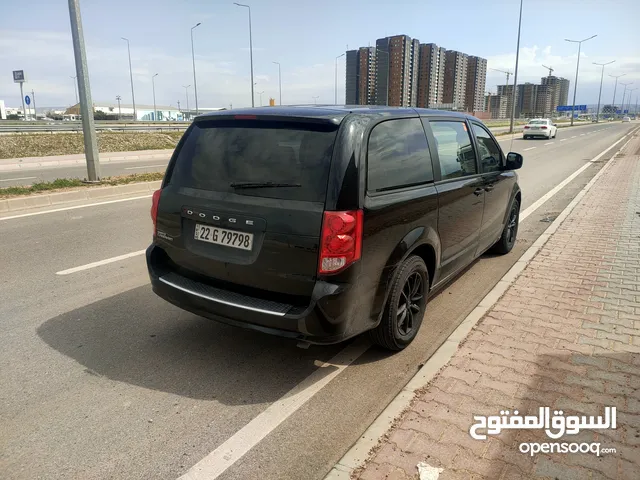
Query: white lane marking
(23, 215)
(582, 134)
(573, 136)
(223, 457)
(530, 148)
(146, 166)
(535, 205)
(549, 143)
(21, 178)
(563, 140)
(100, 263)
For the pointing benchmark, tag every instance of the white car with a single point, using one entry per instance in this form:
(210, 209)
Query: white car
(540, 127)
(626, 119)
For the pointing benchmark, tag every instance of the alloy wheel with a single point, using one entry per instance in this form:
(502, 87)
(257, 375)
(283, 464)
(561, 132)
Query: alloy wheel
(410, 305)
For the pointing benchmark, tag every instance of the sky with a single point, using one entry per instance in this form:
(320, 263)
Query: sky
(305, 37)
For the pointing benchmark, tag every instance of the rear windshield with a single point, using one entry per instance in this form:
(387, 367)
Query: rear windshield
(538, 122)
(219, 153)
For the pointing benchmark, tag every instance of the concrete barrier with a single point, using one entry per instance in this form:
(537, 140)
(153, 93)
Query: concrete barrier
(78, 195)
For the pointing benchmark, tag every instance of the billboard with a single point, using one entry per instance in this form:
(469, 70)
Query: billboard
(568, 108)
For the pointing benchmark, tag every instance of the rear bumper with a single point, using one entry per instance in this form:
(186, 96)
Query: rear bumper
(309, 323)
(536, 133)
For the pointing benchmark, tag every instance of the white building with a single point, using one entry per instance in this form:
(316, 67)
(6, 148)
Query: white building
(3, 111)
(143, 112)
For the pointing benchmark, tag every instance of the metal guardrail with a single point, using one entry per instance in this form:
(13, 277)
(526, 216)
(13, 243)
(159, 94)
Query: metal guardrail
(78, 128)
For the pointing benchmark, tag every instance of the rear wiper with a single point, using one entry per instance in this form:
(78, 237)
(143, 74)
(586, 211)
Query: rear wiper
(262, 185)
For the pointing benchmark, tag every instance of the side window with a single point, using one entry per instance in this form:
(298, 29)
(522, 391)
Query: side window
(398, 155)
(457, 158)
(488, 150)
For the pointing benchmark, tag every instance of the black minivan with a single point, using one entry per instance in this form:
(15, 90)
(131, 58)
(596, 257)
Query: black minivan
(320, 223)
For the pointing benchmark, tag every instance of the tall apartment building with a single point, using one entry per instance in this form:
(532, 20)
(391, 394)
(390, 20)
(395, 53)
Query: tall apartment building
(431, 75)
(544, 101)
(527, 101)
(496, 105)
(455, 79)
(360, 76)
(397, 62)
(507, 92)
(476, 82)
(558, 92)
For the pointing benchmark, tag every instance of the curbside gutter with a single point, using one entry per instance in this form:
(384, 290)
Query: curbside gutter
(83, 193)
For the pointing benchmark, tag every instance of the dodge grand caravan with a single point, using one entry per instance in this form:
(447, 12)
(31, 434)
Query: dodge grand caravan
(320, 223)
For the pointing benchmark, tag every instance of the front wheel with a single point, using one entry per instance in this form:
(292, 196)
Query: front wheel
(405, 307)
(508, 238)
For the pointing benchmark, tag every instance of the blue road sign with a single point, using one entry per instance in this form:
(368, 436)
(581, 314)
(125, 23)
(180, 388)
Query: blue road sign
(568, 108)
(626, 111)
(618, 112)
(27, 100)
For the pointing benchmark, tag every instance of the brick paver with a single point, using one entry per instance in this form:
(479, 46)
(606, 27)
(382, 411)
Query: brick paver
(565, 335)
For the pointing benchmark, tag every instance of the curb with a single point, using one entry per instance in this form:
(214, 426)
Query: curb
(25, 164)
(88, 193)
(357, 455)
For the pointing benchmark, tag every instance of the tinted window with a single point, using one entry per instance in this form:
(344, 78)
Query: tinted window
(488, 150)
(538, 122)
(398, 155)
(218, 153)
(457, 158)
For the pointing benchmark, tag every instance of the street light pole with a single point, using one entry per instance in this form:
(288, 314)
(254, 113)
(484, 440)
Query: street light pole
(515, 74)
(250, 49)
(35, 112)
(336, 92)
(315, 100)
(601, 79)
(615, 88)
(153, 85)
(75, 87)
(193, 58)
(118, 98)
(624, 93)
(186, 92)
(86, 105)
(279, 81)
(575, 86)
(133, 96)
(628, 101)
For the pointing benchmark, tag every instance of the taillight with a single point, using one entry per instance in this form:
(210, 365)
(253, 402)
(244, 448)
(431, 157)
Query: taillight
(526, 126)
(543, 128)
(155, 199)
(341, 240)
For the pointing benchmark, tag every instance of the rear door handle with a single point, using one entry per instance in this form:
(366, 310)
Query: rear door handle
(488, 188)
(478, 191)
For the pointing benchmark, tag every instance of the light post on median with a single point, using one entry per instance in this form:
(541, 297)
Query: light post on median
(279, 81)
(336, 91)
(186, 92)
(624, 93)
(75, 87)
(153, 85)
(118, 98)
(575, 85)
(315, 99)
(193, 58)
(629, 101)
(614, 90)
(250, 50)
(601, 79)
(515, 74)
(133, 96)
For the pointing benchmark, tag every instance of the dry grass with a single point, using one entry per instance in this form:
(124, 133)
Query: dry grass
(45, 144)
(65, 184)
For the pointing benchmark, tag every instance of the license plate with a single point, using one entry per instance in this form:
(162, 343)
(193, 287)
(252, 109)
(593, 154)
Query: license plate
(535, 128)
(222, 236)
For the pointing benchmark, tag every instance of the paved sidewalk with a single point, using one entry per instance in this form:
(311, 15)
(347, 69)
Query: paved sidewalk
(13, 164)
(565, 335)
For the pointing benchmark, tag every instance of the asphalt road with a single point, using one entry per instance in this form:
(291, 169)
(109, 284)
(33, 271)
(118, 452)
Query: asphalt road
(102, 379)
(30, 176)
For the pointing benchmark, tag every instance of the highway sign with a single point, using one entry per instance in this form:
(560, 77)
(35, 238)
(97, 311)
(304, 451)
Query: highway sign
(626, 111)
(568, 108)
(27, 100)
(18, 76)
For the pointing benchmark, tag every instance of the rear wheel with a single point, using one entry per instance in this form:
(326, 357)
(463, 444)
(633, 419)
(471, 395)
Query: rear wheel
(508, 238)
(405, 307)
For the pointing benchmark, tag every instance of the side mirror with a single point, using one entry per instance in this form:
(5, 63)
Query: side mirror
(514, 161)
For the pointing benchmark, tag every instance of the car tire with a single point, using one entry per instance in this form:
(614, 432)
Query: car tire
(405, 307)
(524, 137)
(510, 232)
